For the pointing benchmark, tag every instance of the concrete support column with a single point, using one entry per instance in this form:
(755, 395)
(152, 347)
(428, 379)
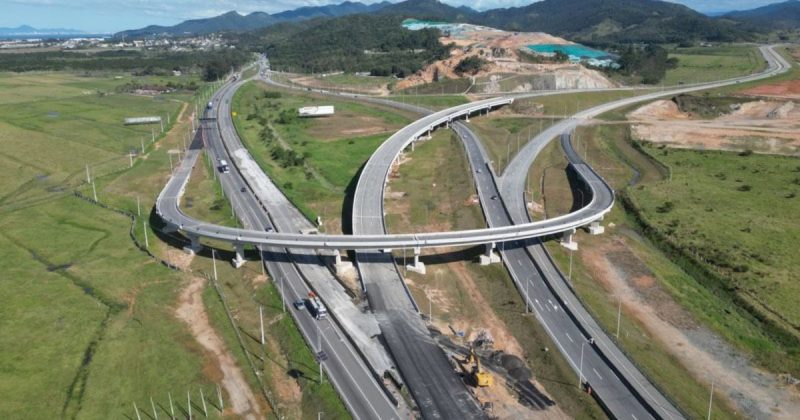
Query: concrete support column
(595, 228)
(567, 240)
(429, 134)
(418, 266)
(447, 124)
(239, 260)
(194, 247)
(412, 145)
(490, 256)
(341, 267)
(466, 117)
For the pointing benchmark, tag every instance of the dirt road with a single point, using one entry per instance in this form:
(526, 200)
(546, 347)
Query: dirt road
(191, 310)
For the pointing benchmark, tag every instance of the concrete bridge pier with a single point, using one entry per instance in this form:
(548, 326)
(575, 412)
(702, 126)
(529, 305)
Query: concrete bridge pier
(238, 260)
(194, 247)
(429, 134)
(418, 266)
(567, 240)
(490, 257)
(595, 228)
(466, 117)
(341, 267)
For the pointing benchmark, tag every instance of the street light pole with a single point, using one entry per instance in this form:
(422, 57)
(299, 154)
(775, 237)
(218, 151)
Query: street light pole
(580, 369)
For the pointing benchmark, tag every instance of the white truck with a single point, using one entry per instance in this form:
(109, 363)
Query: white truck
(316, 307)
(223, 166)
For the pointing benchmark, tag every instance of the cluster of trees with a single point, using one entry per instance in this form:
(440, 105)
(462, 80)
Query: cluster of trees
(470, 65)
(140, 63)
(169, 86)
(358, 43)
(649, 63)
(287, 157)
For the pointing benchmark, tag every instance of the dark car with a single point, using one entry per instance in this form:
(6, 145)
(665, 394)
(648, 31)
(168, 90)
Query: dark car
(243, 189)
(299, 304)
(494, 197)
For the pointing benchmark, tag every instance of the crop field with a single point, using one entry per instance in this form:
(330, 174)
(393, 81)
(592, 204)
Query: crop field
(704, 64)
(325, 153)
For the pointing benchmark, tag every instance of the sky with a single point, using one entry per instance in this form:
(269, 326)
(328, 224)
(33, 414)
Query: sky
(107, 16)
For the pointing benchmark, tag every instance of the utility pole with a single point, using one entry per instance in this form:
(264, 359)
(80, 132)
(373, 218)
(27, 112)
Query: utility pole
(214, 262)
(94, 192)
(619, 315)
(189, 403)
(580, 369)
(170, 162)
(130, 156)
(138, 207)
(171, 408)
(146, 243)
(221, 403)
(203, 399)
(153, 406)
(88, 178)
(152, 135)
(527, 297)
(569, 276)
(261, 319)
(710, 399)
(142, 140)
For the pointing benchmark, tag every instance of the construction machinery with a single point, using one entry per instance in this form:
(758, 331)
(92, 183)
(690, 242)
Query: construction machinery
(480, 377)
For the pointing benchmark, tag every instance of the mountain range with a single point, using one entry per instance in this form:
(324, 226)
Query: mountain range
(31, 31)
(235, 22)
(784, 15)
(596, 21)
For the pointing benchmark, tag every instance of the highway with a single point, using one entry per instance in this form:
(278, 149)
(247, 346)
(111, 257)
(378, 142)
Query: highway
(394, 309)
(368, 204)
(578, 345)
(353, 380)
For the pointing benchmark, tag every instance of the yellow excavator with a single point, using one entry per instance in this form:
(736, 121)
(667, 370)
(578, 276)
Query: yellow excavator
(480, 377)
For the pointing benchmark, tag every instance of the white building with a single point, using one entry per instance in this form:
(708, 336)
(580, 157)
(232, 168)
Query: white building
(315, 111)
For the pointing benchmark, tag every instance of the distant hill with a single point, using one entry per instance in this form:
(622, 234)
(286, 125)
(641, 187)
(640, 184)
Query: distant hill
(430, 9)
(29, 30)
(234, 22)
(784, 15)
(333, 10)
(592, 21)
(602, 21)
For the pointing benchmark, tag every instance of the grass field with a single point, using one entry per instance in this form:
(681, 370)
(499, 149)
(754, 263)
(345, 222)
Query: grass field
(569, 103)
(437, 102)
(504, 136)
(334, 149)
(442, 87)
(704, 64)
(87, 318)
(734, 214)
(610, 152)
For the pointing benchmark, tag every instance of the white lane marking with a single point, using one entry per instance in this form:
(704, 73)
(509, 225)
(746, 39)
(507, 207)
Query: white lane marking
(570, 338)
(598, 375)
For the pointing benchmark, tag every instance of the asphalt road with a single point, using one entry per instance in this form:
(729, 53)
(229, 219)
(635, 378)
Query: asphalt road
(356, 384)
(578, 345)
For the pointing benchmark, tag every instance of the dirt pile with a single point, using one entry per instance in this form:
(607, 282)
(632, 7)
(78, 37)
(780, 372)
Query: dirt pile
(764, 126)
(756, 393)
(501, 50)
(789, 89)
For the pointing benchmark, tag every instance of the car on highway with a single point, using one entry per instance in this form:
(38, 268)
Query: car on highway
(478, 171)
(494, 197)
(243, 189)
(299, 304)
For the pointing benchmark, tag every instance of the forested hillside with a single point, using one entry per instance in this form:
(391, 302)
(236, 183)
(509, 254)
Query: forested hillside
(357, 43)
